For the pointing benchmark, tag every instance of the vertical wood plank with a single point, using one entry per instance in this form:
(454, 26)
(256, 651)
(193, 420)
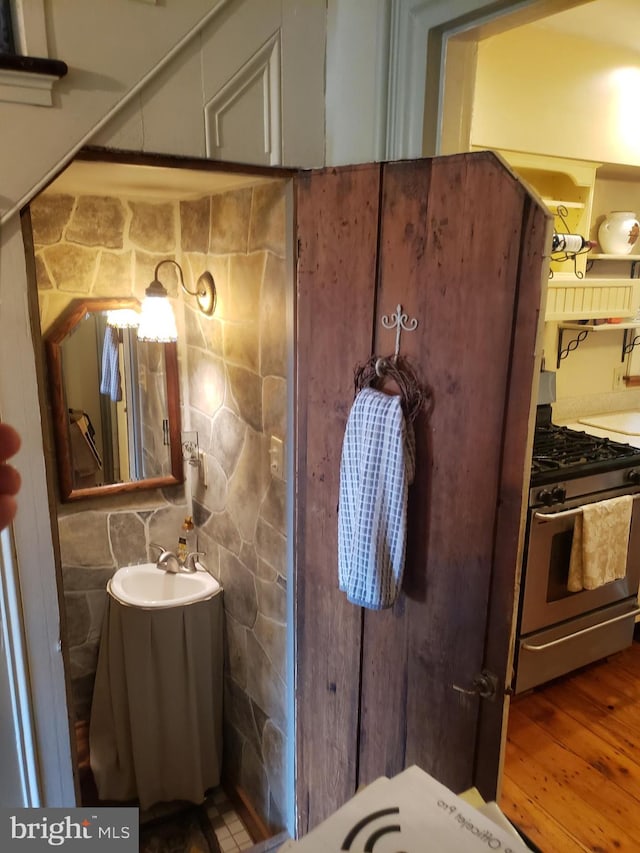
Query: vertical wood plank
(337, 219)
(450, 247)
(518, 437)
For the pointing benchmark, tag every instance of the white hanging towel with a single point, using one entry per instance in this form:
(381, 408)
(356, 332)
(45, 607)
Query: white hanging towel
(110, 383)
(600, 543)
(377, 467)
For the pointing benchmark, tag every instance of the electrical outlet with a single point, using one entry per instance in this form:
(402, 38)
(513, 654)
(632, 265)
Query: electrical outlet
(276, 457)
(618, 378)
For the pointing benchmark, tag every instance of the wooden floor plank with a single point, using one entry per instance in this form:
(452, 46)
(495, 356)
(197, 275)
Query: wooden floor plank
(613, 684)
(628, 659)
(535, 822)
(572, 767)
(595, 718)
(555, 795)
(613, 764)
(572, 771)
(612, 703)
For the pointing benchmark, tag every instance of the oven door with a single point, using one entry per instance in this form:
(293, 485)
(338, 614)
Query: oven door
(546, 601)
(560, 630)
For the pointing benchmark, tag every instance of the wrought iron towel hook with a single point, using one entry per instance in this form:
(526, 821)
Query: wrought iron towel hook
(400, 322)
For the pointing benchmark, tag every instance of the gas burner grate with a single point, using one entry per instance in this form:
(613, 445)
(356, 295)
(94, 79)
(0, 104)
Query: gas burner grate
(558, 448)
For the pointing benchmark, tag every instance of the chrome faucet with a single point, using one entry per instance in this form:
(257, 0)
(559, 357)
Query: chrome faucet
(170, 562)
(167, 560)
(191, 560)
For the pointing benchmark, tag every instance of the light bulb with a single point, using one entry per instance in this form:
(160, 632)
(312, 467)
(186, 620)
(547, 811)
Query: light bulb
(157, 321)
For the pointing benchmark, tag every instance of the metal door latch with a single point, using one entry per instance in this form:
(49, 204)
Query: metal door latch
(485, 685)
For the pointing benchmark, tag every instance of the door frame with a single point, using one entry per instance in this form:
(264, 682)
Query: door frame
(418, 35)
(67, 764)
(18, 773)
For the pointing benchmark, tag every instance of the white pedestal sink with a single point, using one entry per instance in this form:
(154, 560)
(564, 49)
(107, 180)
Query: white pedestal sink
(147, 586)
(156, 717)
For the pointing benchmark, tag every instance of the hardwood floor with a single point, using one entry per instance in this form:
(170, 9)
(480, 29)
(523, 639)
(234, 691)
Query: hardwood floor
(572, 771)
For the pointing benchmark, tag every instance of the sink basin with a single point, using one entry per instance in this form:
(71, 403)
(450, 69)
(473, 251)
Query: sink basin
(149, 587)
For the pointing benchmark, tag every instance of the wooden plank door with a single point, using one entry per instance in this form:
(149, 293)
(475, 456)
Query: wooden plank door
(338, 236)
(460, 246)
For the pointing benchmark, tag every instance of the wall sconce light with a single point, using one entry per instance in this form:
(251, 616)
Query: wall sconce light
(123, 318)
(157, 320)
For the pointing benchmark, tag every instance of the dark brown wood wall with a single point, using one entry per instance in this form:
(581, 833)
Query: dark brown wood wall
(445, 238)
(338, 237)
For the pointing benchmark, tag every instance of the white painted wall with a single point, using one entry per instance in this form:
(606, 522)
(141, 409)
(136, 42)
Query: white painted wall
(19, 406)
(109, 47)
(358, 33)
(255, 74)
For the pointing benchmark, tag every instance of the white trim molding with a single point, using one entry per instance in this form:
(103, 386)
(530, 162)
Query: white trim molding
(419, 27)
(20, 86)
(26, 87)
(25, 787)
(265, 65)
(410, 24)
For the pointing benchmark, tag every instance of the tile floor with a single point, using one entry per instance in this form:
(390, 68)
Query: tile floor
(231, 833)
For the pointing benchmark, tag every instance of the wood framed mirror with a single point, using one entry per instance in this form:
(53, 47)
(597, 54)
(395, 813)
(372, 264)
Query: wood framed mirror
(115, 403)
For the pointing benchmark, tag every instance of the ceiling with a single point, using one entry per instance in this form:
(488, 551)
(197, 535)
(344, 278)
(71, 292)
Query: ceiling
(615, 22)
(124, 180)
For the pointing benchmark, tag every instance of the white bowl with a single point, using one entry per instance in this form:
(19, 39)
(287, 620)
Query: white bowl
(149, 587)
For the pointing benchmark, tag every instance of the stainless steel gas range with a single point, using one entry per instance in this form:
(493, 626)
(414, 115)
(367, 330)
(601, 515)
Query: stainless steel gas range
(559, 630)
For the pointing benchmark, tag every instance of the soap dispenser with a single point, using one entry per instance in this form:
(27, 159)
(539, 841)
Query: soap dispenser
(187, 539)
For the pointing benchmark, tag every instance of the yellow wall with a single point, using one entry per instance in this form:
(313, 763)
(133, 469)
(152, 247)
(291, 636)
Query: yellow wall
(588, 370)
(539, 91)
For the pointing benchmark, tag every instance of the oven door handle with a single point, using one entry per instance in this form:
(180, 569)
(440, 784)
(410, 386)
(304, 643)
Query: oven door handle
(531, 648)
(550, 516)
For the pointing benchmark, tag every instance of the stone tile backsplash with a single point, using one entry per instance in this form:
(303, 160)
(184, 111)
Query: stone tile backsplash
(94, 543)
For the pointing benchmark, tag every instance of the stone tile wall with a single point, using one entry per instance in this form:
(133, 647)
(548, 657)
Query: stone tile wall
(236, 364)
(96, 538)
(234, 396)
(90, 246)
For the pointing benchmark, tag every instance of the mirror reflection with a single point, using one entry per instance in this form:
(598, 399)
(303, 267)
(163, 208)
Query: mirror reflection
(115, 403)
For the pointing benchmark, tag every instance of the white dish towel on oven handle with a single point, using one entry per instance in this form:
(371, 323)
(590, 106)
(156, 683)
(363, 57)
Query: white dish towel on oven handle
(600, 543)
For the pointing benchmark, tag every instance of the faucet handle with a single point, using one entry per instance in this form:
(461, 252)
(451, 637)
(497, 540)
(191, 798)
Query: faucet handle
(160, 548)
(169, 562)
(191, 560)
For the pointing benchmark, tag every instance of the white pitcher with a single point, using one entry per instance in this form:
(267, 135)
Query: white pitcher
(619, 232)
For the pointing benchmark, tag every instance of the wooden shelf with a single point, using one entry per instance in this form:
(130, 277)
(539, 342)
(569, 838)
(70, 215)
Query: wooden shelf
(600, 327)
(573, 293)
(601, 256)
(585, 329)
(555, 203)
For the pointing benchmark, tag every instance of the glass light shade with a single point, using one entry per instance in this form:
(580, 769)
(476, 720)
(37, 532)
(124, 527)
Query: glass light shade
(123, 318)
(157, 320)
